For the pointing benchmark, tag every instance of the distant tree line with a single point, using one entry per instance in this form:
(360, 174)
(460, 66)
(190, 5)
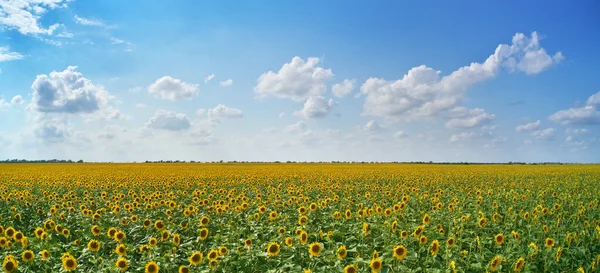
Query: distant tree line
(359, 162)
(21, 161)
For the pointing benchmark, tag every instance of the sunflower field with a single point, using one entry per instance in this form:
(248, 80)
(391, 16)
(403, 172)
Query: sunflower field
(299, 218)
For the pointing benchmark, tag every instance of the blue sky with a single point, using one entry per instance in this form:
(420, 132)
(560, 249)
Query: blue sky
(300, 80)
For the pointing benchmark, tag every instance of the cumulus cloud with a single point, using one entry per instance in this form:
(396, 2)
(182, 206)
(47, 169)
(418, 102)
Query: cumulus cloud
(200, 111)
(315, 107)
(52, 130)
(296, 127)
(226, 83)
(529, 127)
(208, 78)
(462, 136)
(168, 88)
(344, 88)
(6, 55)
(464, 118)
(4, 104)
(223, 112)
(67, 91)
(400, 134)
(170, 121)
(17, 100)
(88, 22)
(24, 15)
(588, 114)
(296, 80)
(372, 127)
(422, 92)
(546, 134)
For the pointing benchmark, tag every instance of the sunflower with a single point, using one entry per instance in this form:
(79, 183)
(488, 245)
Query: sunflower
(303, 237)
(3, 241)
(111, 232)
(96, 230)
(203, 234)
(516, 235)
(434, 247)
(10, 264)
(121, 250)
(159, 224)
(348, 214)
(69, 263)
(19, 236)
(313, 206)
(248, 242)
(151, 267)
(38, 232)
(119, 236)
(27, 255)
(376, 265)
(315, 249)
(366, 228)
(451, 241)
(281, 230)
(223, 250)
(183, 269)
(213, 254)
(273, 249)
(349, 269)
(549, 242)
(204, 220)
(400, 252)
(45, 255)
(93, 246)
(426, 219)
(176, 239)
(302, 210)
(302, 220)
(10, 232)
(195, 258)
(342, 252)
(152, 242)
(423, 240)
(418, 231)
(147, 223)
(213, 264)
(273, 215)
(404, 234)
(164, 235)
(494, 263)
(122, 264)
(288, 241)
(499, 239)
(375, 254)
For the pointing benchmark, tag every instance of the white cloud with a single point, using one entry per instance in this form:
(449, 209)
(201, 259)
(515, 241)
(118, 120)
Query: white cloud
(422, 92)
(140, 105)
(200, 111)
(67, 92)
(17, 100)
(499, 140)
(529, 127)
(372, 127)
(226, 83)
(344, 88)
(296, 80)
(588, 114)
(315, 107)
(168, 88)
(546, 134)
(52, 130)
(24, 15)
(531, 58)
(281, 115)
(400, 134)
(223, 112)
(116, 41)
(465, 119)
(6, 55)
(462, 136)
(88, 22)
(208, 78)
(170, 121)
(296, 127)
(4, 104)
